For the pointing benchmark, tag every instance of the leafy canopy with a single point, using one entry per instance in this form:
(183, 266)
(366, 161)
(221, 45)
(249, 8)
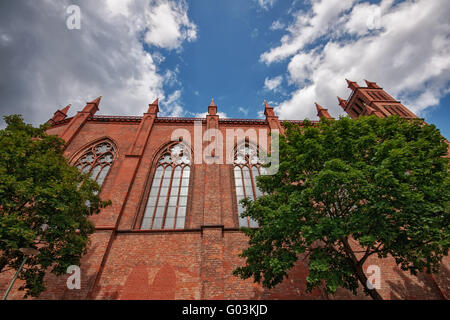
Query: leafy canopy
(44, 204)
(346, 190)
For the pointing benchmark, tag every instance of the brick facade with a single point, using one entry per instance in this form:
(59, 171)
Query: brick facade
(125, 262)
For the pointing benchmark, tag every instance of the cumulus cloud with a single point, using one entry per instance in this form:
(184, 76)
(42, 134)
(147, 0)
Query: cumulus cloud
(273, 84)
(169, 25)
(403, 46)
(307, 27)
(46, 66)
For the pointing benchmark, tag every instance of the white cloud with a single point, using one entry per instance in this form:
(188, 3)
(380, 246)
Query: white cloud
(118, 7)
(301, 66)
(273, 84)
(158, 57)
(307, 27)
(164, 23)
(222, 115)
(266, 4)
(45, 66)
(171, 77)
(169, 25)
(172, 105)
(405, 48)
(277, 25)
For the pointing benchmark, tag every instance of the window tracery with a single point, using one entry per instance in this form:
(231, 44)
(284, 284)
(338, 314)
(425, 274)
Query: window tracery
(167, 202)
(247, 167)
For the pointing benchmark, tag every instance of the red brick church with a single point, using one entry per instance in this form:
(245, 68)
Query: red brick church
(172, 231)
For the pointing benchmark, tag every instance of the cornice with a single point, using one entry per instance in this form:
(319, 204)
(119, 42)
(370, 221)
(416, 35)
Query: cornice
(137, 120)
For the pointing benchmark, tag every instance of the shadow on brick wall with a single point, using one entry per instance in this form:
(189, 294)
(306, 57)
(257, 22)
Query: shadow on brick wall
(420, 287)
(57, 286)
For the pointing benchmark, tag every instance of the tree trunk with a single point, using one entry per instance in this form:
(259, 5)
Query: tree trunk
(357, 266)
(363, 280)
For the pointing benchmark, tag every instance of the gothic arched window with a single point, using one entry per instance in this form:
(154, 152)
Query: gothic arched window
(247, 166)
(97, 161)
(167, 201)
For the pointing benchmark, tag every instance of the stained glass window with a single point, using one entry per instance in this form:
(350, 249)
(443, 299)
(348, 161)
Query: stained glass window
(247, 167)
(167, 201)
(97, 160)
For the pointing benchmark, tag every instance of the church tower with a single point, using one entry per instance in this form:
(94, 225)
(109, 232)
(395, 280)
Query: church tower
(372, 100)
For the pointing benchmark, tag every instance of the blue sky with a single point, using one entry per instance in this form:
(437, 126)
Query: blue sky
(440, 116)
(239, 52)
(224, 61)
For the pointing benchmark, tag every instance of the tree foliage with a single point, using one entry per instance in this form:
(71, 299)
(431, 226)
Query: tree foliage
(44, 204)
(347, 190)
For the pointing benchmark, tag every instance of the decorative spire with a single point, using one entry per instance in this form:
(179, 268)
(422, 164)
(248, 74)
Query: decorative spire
(92, 107)
(319, 107)
(212, 109)
(60, 114)
(268, 110)
(154, 107)
(96, 101)
(342, 103)
(372, 85)
(322, 112)
(66, 109)
(352, 84)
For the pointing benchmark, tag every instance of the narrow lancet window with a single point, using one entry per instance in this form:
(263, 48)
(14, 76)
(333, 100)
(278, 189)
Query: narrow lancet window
(247, 167)
(168, 198)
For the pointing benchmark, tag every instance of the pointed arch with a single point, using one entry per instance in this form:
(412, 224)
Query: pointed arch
(96, 159)
(246, 168)
(167, 198)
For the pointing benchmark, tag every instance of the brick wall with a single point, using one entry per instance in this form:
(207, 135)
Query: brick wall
(124, 262)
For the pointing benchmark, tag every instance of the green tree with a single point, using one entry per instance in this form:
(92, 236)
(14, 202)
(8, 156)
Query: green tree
(44, 204)
(347, 190)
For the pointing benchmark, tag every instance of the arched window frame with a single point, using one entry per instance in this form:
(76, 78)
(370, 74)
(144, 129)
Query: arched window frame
(174, 207)
(97, 159)
(247, 166)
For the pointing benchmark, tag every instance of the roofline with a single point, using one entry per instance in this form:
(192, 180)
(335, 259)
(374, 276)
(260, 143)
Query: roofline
(137, 119)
